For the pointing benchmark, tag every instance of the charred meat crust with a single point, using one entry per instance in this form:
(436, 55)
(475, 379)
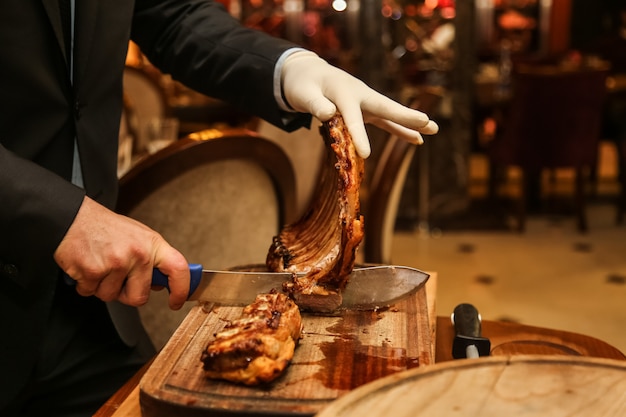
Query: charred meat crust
(257, 347)
(323, 243)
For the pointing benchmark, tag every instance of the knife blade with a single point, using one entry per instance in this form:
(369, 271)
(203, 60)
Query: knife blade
(368, 287)
(468, 341)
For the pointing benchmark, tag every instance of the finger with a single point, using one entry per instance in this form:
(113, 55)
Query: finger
(360, 140)
(179, 287)
(402, 132)
(353, 119)
(318, 105)
(378, 105)
(322, 108)
(173, 264)
(86, 288)
(310, 99)
(430, 129)
(356, 127)
(136, 289)
(111, 286)
(407, 133)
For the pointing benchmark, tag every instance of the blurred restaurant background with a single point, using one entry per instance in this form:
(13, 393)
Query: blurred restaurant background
(466, 53)
(515, 169)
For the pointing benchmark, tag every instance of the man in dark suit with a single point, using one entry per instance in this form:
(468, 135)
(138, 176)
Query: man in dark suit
(65, 349)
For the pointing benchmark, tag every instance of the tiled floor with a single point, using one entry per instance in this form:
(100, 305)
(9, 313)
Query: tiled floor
(549, 276)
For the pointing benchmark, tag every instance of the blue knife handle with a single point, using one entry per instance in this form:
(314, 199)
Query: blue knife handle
(195, 271)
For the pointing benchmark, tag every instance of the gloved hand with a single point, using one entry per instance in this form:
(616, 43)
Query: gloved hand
(311, 85)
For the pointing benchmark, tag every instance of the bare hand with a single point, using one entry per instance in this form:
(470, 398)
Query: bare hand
(112, 257)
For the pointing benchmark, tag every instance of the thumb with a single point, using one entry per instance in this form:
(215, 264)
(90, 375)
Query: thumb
(311, 100)
(174, 265)
(322, 108)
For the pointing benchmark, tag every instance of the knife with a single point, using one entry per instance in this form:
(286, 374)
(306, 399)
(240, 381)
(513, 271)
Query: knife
(368, 287)
(468, 341)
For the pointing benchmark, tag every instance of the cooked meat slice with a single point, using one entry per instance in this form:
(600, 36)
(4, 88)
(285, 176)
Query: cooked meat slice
(323, 243)
(257, 347)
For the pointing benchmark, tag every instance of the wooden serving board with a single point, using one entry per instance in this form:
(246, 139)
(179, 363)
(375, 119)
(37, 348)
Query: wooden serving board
(514, 386)
(336, 354)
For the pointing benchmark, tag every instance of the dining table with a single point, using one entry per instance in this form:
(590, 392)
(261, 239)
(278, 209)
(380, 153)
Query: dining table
(507, 339)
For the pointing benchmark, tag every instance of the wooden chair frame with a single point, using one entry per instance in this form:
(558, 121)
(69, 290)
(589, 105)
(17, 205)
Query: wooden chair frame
(202, 147)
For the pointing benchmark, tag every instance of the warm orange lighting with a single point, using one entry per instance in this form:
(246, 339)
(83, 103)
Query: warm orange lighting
(386, 10)
(318, 4)
(425, 11)
(431, 4)
(339, 5)
(410, 45)
(448, 12)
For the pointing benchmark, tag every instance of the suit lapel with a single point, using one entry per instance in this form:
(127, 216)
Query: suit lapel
(54, 14)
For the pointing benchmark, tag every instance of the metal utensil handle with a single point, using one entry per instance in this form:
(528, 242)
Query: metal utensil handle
(467, 321)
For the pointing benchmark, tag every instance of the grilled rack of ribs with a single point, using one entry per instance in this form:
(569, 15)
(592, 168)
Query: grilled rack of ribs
(321, 246)
(257, 347)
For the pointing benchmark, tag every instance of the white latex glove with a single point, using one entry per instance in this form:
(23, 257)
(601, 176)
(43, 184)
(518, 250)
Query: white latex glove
(311, 85)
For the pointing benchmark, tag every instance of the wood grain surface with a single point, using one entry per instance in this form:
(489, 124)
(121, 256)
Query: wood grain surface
(518, 339)
(513, 386)
(506, 338)
(336, 354)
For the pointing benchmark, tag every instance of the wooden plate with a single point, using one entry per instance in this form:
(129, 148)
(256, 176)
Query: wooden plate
(336, 354)
(514, 386)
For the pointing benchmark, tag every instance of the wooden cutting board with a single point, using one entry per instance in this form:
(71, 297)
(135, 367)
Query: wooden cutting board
(336, 354)
(514, 386)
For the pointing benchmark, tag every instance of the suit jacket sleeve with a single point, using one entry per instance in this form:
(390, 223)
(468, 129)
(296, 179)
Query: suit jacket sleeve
(37, 202)
(204, 47)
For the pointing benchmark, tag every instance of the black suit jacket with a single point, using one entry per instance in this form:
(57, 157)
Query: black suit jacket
(41, 112)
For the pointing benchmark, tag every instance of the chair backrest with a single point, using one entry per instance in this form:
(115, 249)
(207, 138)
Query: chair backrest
(554, 118)
(386, 186)
(126, 140)
(217, 196)
(307, 151)
(147, 100)
(384, 198)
